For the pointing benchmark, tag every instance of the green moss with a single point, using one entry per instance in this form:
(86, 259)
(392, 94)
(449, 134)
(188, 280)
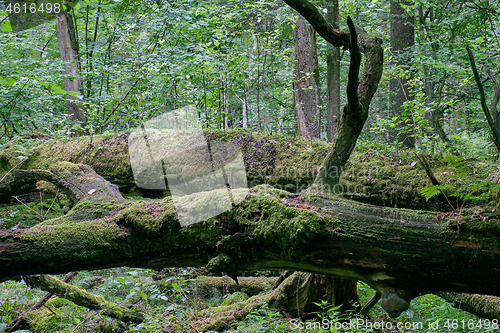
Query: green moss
(64, 167)
(107, 155)
(53, 237)
(222, 316)
(46, 321)
(220, 263)
(379, 176)
(279, 223)
(148, 217)
(483, 229)
(373, 174)
(277, 159)
(235, 297)
(87, 210)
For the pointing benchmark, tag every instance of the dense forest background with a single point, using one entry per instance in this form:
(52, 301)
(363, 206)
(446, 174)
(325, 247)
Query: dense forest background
(104, 67)
(234, 60)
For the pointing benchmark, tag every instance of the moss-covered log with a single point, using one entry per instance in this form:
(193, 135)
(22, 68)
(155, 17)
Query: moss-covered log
(371, 175)
(280, 160)
(480, 305)
(403, 251)
(301, 293)
(82, 297)
(248, 285)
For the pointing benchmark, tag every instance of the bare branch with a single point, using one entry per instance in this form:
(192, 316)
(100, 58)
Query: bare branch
(319, 23)
(494, 130)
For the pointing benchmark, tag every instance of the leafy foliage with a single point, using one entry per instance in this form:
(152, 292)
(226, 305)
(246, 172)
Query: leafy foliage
(234, 60)
(457, 169)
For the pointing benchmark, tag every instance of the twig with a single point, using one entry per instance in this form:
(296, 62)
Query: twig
(18, 164)
(197, 330)
(87, 317)
(48, 210)
(41, 205)
(22, 203)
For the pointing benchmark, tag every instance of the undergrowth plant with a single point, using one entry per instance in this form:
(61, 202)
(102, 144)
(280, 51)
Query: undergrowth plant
(455, 170)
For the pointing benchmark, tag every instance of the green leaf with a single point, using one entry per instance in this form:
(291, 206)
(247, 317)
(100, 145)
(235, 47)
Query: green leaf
(6, 26)
(430, 191)
(57, 89)
(8, 81)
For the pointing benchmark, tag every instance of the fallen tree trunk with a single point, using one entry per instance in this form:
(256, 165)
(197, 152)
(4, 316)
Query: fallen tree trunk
(286, 163)
(82, 297)
(480, 305)
(400, 252)
(249, 285)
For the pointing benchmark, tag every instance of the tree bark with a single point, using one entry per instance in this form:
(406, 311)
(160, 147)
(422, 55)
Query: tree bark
(355, 113)
(492, 122)
(495, 113)
(68, 49)
(333, 74)
(401, 253)
(480, 305)
(402, 39)
(305, 81)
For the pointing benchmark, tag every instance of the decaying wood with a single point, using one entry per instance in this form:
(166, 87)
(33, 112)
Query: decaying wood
(249, 285)
(404, 251)
(480, 305)
(82, 297)
(39, 304)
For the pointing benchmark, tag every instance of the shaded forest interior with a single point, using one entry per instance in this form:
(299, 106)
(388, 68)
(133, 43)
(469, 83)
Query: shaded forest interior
(357, 146)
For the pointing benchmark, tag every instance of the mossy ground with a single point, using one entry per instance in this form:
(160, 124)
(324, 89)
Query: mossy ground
(172, 304)
(33, 211)
(393, 178)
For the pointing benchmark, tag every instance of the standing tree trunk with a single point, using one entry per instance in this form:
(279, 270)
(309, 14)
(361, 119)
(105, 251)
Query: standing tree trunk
(355, 112)
(333, 74)
(402, 39)
(315, 288)
(68, 48)
(492, 113)
(305, 85)
(433, 86)
(495, 113)
(340, 292)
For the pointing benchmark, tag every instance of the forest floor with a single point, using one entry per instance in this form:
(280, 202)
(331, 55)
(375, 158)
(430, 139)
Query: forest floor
(172, 301)
(175, 302)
